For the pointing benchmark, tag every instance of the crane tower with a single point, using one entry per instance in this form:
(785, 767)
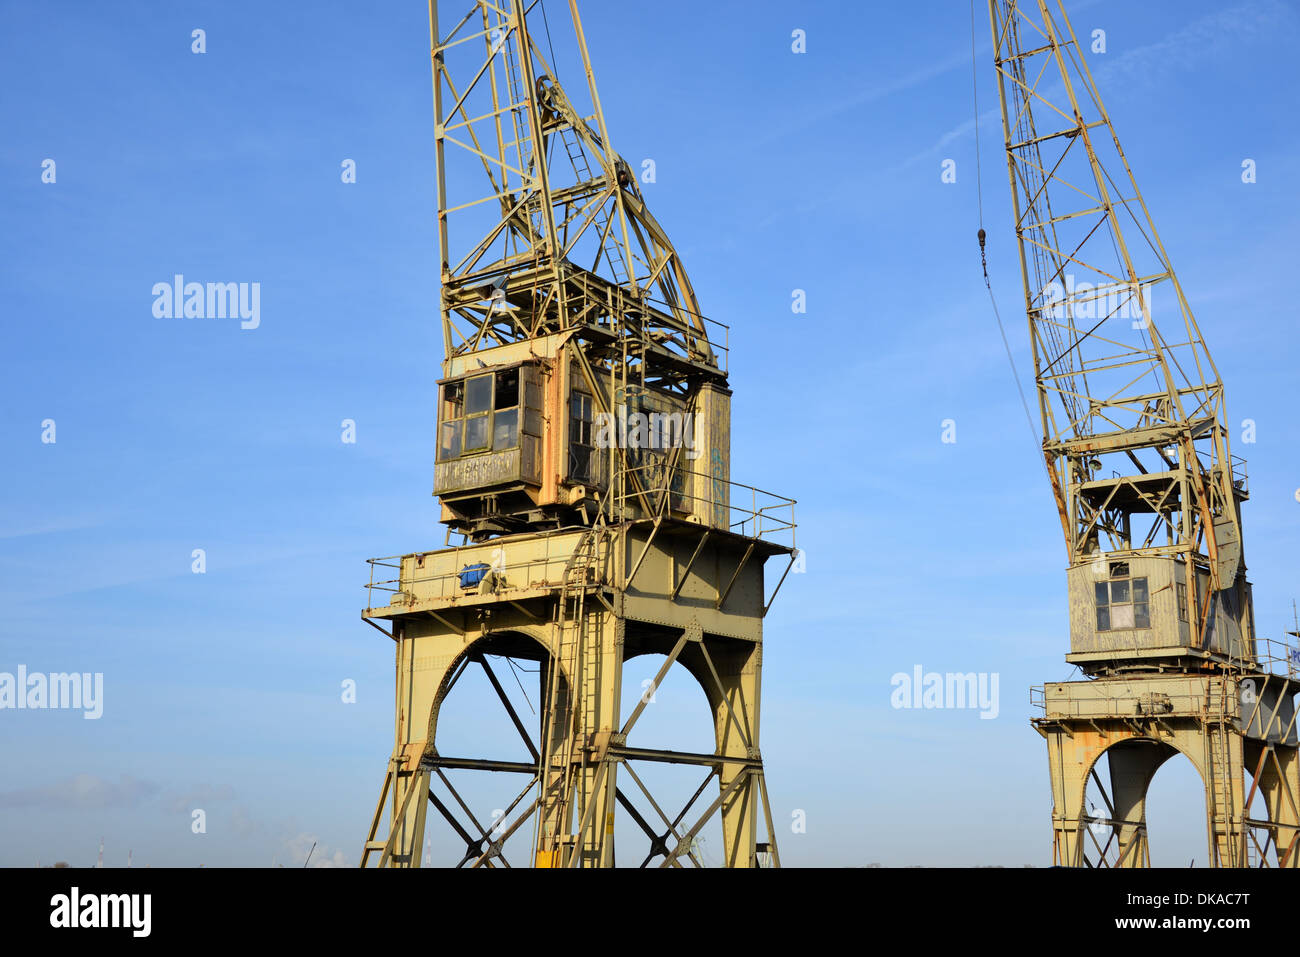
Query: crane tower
(1137, 453)
(583, 458)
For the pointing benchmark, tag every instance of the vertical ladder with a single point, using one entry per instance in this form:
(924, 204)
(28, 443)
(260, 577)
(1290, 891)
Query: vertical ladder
(601, 222)
(583, 706)
(382, 845)
(1219, 792)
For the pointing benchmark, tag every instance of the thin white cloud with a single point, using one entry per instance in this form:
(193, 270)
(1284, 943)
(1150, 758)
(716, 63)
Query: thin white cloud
(1181, 50)
(83, 792)
(19, 526)
(1186, 47)
(298, 851)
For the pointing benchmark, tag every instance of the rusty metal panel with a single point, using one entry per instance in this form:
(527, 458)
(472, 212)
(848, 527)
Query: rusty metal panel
(478, 471)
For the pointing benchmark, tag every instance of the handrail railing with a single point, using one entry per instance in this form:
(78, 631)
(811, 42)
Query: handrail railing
(1153, 703)
(769, 517)
(1240, 478)
(546, 571)
(1277, 657)
(1271, 657)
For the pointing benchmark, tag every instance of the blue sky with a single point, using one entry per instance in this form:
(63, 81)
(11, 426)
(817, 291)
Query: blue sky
(775, 172)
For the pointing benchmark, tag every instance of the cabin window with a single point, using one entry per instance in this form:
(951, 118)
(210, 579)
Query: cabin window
(1122, 603)
(580, 444)
(476, 432)
(478, 395)
(451, 422)
(505, 429)
(479, 414)
(449, 441)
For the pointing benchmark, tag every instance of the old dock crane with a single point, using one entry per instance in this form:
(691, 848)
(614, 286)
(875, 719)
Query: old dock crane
(583, 456)
(1136, 446)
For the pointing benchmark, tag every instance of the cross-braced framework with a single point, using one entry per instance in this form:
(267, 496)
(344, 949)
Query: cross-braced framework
(669, 841)
(1149, 494)
(1238, 731)
(558, 235)
(1132, 410)
(575, 607)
